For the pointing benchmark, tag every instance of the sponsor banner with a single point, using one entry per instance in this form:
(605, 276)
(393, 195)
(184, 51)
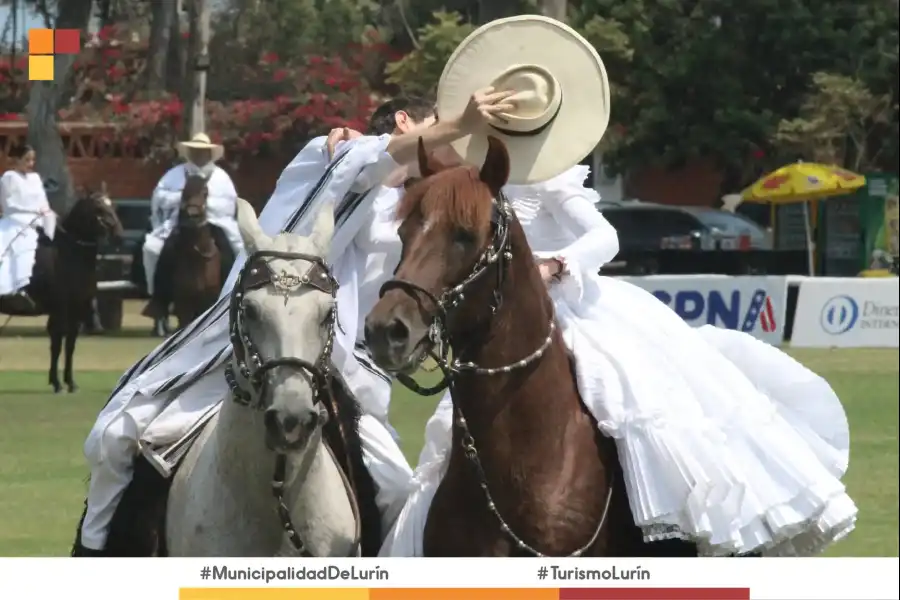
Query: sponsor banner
(755, 305)
(847, 313)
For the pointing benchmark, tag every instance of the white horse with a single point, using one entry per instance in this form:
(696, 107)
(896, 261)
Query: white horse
(221, 501)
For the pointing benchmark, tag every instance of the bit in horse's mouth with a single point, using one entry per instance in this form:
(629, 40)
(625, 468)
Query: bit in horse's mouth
(413, 360)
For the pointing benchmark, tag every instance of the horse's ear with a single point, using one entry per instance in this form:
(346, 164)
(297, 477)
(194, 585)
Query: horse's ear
(495, 170)
(103, 188)
(425, 167)
(254, 237)
(323, 228)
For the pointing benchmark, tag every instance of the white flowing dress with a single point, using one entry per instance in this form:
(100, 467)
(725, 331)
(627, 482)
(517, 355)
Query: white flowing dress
(24, 206)
(723, 439)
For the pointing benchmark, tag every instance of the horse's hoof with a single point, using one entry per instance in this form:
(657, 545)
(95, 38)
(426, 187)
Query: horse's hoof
(73, 388)
(57, 389)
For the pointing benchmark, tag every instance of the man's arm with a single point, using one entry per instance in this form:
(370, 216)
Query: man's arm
(402, 149)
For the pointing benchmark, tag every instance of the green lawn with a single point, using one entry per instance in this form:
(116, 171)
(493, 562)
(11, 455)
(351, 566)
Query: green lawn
(42, 471)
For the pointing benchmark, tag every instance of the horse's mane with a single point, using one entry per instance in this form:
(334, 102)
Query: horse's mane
(453, 196)
(347, 446)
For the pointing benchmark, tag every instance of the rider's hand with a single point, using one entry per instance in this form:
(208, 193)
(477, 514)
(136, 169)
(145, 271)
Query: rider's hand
(336, 136)
(547, 269)
(550, 269)
(484, 107)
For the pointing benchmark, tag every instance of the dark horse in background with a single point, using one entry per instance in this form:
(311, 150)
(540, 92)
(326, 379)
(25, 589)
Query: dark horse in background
(529, 472)
(64, 279)
(194, 263)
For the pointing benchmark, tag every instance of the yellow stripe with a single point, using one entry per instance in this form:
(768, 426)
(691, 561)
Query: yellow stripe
(273, 594)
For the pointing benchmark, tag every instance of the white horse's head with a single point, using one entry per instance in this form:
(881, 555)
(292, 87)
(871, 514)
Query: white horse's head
(283, 312)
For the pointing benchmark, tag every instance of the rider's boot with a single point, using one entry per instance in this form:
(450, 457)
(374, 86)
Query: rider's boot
(79, 551)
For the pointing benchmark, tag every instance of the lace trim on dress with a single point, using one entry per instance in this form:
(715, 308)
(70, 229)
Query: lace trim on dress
(526, 200)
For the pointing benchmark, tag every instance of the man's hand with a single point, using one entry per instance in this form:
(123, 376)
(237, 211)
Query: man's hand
(484, 108)
(341, 134)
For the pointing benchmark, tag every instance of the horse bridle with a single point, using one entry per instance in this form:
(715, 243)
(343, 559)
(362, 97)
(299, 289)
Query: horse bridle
(258, 273)
(496, 255)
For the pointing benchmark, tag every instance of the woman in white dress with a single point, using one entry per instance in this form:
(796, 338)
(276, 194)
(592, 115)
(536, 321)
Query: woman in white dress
(714, 429)
(24, 208)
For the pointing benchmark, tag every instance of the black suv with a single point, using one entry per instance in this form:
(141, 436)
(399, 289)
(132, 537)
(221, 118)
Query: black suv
(116, 256)
(663, 239)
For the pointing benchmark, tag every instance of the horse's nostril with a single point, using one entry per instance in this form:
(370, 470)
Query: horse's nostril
(290, 423)
(270, 418)
(397, 332)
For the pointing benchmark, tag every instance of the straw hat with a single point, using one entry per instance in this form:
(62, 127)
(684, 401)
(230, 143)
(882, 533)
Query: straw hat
(562, 94)
(201, 141)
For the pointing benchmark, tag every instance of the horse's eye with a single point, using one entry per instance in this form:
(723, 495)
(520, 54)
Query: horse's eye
(251, 312)
(464, 237)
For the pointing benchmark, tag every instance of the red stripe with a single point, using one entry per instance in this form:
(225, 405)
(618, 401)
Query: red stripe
(767, 320)
(655, 594)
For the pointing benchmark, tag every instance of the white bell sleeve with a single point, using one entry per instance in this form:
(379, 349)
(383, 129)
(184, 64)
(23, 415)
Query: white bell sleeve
(574, 208)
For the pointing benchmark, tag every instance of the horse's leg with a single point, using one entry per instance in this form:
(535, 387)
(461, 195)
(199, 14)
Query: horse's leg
(55, 329)
(73, 327)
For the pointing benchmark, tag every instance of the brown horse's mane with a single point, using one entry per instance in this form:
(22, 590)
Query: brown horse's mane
(454, 196)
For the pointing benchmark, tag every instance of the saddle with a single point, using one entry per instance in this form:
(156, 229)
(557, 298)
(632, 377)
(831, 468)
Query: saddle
(139, 524)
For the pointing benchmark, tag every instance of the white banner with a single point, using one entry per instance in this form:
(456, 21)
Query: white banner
(446, 578)
(847, 313)
(755, 305)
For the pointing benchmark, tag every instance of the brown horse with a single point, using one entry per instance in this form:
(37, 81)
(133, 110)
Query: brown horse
(195, 260)
(529, 473)
(64, 281)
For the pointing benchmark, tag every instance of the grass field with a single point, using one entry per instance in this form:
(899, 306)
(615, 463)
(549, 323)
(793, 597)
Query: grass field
(42, 470)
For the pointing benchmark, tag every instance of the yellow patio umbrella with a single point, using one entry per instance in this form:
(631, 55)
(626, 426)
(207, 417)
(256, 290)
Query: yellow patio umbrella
(801, 182)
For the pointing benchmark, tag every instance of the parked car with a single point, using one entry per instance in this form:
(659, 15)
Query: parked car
(657, 238)
(722, 222)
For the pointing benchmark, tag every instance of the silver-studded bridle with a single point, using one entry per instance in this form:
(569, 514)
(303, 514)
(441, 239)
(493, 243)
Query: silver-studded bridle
(252, 367)
(496, 256)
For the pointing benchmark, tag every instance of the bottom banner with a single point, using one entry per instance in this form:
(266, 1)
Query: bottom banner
(468, 594)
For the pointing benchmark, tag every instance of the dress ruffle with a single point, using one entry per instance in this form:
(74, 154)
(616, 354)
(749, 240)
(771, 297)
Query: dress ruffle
(707, 456)
(724, 441)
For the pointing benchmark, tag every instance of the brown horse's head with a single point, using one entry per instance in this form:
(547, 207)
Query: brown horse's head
(446, 230)
(93, 217)
(192, 212)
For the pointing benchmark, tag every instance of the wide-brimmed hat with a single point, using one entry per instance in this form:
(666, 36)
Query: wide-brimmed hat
(562, 94)
(201, 141)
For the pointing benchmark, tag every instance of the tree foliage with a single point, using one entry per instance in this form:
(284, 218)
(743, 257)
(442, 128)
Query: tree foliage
(837, 122)
(748, 84)
(419, 71)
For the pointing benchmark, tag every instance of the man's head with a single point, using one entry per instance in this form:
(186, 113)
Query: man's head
(402, 115)
(199, 156)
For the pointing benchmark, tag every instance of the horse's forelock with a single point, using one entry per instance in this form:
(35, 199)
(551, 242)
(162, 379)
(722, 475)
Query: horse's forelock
(455, 197)
(193, 187)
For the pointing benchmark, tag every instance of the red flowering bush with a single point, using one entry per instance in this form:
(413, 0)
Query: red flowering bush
(265, 105)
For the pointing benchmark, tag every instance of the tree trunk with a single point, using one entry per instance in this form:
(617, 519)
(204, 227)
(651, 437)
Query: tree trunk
(163, 14)
(198, 65)
(175, 52)
(43, 100)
